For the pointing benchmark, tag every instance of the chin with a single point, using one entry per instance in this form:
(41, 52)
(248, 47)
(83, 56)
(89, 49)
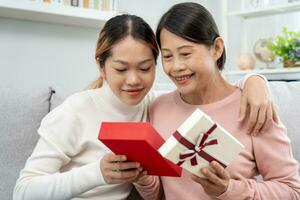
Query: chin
(183, 89)
(133, 102)
(186, 90)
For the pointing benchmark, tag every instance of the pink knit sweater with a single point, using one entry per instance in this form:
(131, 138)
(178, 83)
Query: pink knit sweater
(268, 154)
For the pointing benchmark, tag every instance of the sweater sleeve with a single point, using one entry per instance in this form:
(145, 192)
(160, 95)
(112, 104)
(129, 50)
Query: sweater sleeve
(149, 187)
(241, 83)
(274, 160)
(42, 177)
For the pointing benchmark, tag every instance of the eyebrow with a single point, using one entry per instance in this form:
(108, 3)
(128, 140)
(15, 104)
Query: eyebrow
(185, 46)
(126, 63)
(181, 47)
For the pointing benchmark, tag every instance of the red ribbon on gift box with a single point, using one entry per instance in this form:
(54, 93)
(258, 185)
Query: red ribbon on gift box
(198, 148)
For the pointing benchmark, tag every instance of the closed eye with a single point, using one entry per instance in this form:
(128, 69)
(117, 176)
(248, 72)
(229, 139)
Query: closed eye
(167, 56)
(145, 69)
(120, 70)
(185, 54)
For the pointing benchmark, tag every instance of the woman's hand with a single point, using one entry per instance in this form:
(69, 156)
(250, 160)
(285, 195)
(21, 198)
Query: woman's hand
(256, 98)
(214, 182)
(115, 169)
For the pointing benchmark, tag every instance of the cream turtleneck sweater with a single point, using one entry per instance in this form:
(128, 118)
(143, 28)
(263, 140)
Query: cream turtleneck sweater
(65, 163)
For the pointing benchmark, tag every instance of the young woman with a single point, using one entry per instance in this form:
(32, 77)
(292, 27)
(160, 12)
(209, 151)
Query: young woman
(68, 161)
(193, 55)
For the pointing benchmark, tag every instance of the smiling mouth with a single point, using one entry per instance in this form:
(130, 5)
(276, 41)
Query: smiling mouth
(183, 79)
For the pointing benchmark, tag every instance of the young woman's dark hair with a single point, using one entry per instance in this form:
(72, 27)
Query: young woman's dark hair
(192, 22)
(116, 29)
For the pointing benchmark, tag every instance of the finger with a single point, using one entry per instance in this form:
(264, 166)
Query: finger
(260, 119)
(142, 175)
(252, 118)
(275, 113)
(268, 121)
(243, 109)
(124, 175)
(121, 166)
(220, 170)
(202, 181)
(211, 177)
(114, 158)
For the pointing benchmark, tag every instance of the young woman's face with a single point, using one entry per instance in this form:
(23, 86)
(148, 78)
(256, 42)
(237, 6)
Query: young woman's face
(191, 66)
(130, 70)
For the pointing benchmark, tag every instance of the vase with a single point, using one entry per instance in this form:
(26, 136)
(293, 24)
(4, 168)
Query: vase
(290, 63)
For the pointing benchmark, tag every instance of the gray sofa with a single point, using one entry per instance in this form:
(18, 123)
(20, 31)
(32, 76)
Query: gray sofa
(23, 109)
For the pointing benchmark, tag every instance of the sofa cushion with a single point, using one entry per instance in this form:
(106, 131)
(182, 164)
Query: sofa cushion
(286, 96)
(21, 113)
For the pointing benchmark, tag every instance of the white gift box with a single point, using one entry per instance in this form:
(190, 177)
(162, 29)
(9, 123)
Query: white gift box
(198, 141)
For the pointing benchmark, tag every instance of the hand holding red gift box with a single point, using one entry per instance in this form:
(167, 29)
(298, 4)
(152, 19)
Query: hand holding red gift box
(198, 141)
(139, 142)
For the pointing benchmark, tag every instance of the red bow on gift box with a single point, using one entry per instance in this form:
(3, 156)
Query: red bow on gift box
(194, 150)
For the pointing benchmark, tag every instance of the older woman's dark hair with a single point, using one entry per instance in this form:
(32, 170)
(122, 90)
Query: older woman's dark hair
(192, 22)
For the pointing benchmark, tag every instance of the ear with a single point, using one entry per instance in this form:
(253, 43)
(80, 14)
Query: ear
(101, 69)
(102, 72)
(218, 47)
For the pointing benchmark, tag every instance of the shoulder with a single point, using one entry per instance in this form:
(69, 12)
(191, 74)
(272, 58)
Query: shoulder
(163, 101)
(72, 107)
(79, 101)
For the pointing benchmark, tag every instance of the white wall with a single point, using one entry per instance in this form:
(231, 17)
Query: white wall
(39, 54)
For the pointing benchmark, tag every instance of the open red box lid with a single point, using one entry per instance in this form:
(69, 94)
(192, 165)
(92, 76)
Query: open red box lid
(140, 142)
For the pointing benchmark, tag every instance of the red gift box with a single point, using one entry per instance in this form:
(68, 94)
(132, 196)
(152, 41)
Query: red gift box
(139, 142)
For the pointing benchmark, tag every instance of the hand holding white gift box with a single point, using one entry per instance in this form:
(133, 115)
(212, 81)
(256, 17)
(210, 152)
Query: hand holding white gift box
(198, 141)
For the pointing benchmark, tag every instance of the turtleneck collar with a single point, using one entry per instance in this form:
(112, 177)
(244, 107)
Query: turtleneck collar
(111, 103)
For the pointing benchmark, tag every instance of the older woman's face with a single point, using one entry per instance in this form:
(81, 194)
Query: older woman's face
(189, 65)
(130, 70)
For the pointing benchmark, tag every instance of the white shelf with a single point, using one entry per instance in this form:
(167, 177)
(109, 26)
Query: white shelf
(267, 10)
(267, 71)
(271, 74)
(51, 13)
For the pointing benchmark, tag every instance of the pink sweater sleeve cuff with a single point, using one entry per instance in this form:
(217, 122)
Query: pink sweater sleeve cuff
(231, 191)
(149, 187)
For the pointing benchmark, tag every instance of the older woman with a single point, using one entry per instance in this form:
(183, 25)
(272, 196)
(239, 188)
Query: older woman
(193, 55)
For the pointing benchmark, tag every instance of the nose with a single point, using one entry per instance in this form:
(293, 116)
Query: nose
(133, 79)
(178, 65)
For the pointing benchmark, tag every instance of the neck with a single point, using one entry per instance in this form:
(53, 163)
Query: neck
(215, 89)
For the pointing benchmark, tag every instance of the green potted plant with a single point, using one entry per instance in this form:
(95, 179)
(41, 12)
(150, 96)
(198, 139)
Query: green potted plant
(287, 46)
